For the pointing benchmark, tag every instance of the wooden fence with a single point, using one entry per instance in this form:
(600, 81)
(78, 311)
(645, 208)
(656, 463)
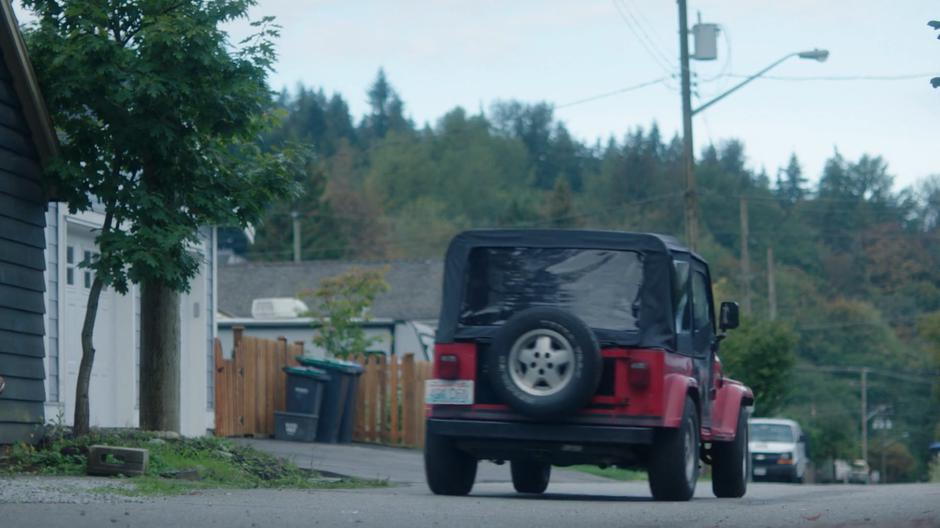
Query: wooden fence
(390, 403)
(251, 385)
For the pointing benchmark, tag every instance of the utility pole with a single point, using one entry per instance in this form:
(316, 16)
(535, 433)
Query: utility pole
(771, 284)
(864, 376)
(745, 257)
(295, 217)
(688, 161)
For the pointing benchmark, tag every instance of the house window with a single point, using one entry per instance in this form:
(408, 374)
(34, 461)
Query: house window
(70, 265)
(89, 275)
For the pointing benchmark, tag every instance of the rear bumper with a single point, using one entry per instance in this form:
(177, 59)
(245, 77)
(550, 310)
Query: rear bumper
(784, 472)
(541, 432)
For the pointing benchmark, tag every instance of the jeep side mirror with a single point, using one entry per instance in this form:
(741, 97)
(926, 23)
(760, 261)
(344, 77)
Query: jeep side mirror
(728, 317)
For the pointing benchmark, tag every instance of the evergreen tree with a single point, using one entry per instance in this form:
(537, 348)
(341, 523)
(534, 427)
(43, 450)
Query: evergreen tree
(791, 185)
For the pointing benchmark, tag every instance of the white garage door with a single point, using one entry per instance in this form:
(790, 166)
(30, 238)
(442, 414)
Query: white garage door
(80, 246)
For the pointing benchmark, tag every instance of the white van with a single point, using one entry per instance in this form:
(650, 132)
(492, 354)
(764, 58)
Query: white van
(778, 450)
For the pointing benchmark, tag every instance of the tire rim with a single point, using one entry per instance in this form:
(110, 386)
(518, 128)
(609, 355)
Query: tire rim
(689, 454)
(541, 362)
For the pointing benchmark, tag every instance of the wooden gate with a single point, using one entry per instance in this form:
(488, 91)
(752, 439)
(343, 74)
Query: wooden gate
(251, 385)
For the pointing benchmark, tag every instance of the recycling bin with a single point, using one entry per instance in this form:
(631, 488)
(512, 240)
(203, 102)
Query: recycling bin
(295, 427)
(305, 389)
(338, 410)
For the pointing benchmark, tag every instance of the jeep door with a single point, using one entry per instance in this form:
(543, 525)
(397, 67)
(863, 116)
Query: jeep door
(703, 336)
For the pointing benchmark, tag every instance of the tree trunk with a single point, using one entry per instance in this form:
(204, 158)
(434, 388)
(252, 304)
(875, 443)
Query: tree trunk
(159, 357)
(82, 420)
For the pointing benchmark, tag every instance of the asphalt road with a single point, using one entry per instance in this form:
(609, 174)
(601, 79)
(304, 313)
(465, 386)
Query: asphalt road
(495, 504)
(371, 462)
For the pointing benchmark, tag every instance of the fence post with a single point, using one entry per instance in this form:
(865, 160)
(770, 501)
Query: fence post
(238, 401)
(223, 400)
(408, 399)
(393, 422)
(423, 374)
(372, 371)
(359, 431)
(237, 333)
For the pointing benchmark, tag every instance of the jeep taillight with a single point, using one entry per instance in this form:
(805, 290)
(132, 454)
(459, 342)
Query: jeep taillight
(448, 366)
(639, 375)
(455, 361)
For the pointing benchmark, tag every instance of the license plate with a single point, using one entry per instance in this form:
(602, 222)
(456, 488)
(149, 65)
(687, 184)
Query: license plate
(760, 472)
(448, 392)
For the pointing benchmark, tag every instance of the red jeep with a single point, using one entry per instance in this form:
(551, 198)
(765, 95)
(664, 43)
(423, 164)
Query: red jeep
(562, 347)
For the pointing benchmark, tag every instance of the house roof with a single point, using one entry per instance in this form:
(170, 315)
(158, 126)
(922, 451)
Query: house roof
(26, 85)
(414, 285)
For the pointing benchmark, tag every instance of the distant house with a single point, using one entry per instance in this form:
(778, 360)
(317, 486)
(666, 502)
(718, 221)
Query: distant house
(43, 289)
(27, 142)
(414, 292)
(403, 319)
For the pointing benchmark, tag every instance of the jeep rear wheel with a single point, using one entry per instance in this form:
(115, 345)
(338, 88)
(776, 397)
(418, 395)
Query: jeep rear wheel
(730, 462)
(449, 470)
(529, 476)
(545, 363)
(673, 465)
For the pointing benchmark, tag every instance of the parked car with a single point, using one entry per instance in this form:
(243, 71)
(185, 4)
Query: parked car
(562, 347)
(778, 450)
(860, 472)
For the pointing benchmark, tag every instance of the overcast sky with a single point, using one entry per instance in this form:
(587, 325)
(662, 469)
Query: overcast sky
(443, 53)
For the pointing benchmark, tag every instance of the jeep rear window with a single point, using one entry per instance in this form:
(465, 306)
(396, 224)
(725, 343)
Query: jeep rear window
(599, 286)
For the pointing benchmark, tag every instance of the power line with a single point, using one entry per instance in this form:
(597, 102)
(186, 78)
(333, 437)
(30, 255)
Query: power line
(657, 48)
(904, 376)
(611, 93)
(656, 55)
(645, 22)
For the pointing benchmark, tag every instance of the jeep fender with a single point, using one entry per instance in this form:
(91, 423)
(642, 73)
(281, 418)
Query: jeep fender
(676, 388)
(731, 398)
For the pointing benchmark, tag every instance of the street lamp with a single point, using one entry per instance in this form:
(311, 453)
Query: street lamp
(819, 55)
(688, 157)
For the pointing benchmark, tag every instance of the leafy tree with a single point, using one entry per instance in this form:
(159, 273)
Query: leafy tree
(560, 209)
(159, 114)
(320, 236)
(358, 208)
(531, 124)
(341, 305)
(761, 354)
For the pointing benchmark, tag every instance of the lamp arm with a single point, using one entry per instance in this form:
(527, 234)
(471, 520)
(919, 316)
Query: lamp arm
(742, 83)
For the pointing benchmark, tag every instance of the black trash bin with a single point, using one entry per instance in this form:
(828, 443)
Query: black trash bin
(295, 427)
(305, 389)
(353, 372)
(338, 411)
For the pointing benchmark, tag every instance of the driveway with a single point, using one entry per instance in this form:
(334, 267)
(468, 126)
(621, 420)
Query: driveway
(405, 466)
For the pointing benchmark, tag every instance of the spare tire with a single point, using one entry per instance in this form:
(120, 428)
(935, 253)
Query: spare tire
(545, 363)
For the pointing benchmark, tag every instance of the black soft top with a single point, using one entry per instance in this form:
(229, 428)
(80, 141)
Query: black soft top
(656, 322)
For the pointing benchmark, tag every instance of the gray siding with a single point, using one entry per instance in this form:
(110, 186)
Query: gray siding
(210, 317)
(22, 266)
(52, 303)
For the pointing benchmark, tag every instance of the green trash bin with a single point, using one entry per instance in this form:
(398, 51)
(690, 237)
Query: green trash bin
(338, 410)
(305, 389)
